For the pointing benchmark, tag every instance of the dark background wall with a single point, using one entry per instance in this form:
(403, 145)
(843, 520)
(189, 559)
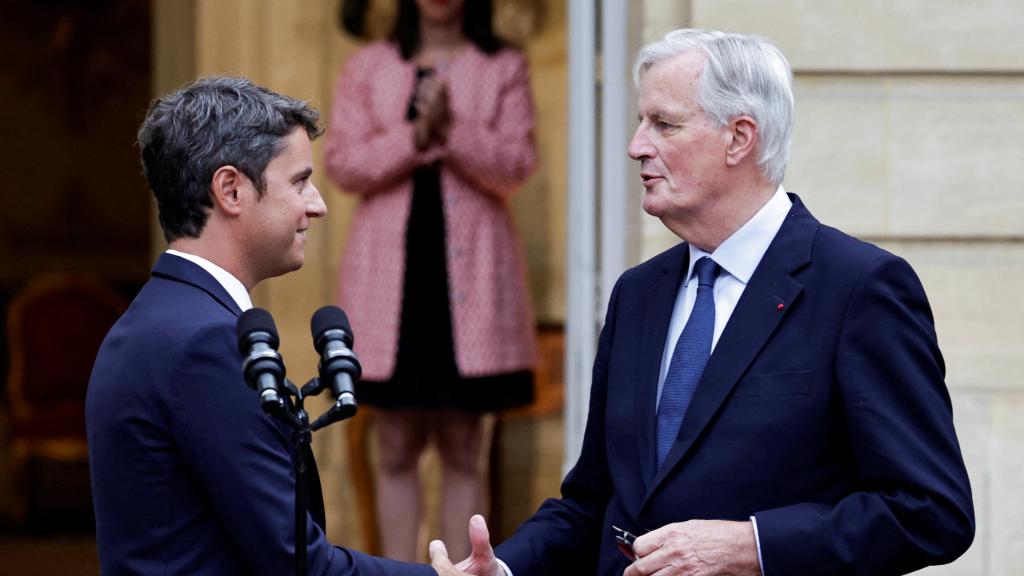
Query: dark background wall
(75, 82)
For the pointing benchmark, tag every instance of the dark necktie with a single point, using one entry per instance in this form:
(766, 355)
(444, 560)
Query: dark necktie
(688, 359)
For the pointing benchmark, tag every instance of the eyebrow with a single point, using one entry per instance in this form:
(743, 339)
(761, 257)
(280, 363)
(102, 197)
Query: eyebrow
(662, 116)
(303, 175)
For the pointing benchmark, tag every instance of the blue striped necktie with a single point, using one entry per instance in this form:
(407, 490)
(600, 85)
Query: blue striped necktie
(688, 359)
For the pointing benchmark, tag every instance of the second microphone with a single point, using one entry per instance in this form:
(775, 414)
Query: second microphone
(339, 366)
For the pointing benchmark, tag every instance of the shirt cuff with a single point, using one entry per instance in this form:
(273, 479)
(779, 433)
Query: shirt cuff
(508, 571)
(757, 540)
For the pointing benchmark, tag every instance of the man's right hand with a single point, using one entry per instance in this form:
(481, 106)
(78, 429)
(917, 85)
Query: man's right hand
(481, 561)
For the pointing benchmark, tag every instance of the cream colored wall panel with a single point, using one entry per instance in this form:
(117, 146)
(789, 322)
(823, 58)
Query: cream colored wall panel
(660, 17)
(879, 34)
(957, 156)
(839, 163)
(1007, 471)
(974, 291)
(229, 37)
(917, 156)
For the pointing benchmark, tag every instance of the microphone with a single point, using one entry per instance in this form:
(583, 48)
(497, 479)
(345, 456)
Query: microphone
(339, 366)
(263, 367)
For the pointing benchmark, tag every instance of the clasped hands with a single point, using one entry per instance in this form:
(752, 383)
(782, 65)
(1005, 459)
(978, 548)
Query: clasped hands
(692, 548)
(433, 114)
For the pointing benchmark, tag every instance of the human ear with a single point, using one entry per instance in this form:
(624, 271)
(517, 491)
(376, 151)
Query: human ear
(224, 189)
(742, 139)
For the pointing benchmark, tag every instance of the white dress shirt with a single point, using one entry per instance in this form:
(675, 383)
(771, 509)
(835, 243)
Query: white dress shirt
(232, 285)
(738, 257)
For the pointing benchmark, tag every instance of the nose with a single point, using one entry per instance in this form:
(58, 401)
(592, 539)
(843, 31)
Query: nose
(315, 206)
(640, 147)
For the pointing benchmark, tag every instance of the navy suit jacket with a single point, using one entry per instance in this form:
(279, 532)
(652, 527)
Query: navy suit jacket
(822, 412)
(189, 476)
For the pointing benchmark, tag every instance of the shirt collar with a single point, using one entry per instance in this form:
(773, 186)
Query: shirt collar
(740, 254)
(232, 285)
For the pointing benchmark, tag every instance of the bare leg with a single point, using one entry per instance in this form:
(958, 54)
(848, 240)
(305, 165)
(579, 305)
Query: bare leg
(401, 439)
(463, 442)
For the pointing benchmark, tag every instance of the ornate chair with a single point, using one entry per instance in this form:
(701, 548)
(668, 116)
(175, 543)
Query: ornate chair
(54, 328)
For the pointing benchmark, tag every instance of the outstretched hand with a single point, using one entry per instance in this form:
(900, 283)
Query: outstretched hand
(439, 560)
(481, 561)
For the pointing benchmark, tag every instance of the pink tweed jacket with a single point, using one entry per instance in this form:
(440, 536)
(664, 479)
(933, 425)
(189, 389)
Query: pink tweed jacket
(489, 153)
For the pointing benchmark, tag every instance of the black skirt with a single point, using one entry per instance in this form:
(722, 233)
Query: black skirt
(426, 375)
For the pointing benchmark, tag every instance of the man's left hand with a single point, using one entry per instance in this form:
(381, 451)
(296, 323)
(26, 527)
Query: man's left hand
(697, 548)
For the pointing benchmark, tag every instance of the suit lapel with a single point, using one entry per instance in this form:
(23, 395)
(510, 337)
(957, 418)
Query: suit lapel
(756, 317)
(658, 314)
(179, 269)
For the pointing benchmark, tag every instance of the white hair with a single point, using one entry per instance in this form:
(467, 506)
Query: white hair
(744, 75)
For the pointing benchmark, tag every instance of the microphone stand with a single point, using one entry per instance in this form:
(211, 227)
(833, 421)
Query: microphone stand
(295, 416)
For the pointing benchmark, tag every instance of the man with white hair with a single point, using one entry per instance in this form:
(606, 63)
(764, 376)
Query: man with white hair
(768, 396)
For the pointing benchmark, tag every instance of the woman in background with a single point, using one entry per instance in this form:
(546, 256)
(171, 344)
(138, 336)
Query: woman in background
(433, 130)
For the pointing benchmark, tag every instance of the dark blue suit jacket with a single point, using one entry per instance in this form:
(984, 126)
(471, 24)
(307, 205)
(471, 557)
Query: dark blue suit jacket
(189, 476)
(826, 418)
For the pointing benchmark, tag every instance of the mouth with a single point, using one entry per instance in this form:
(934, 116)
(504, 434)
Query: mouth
(649, 179)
